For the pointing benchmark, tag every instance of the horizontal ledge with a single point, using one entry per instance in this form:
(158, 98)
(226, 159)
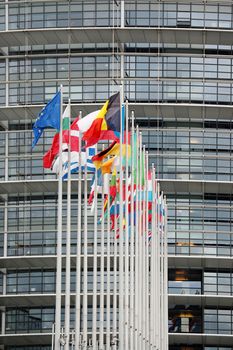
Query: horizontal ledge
(205, 339)
(201, 300)
(25, 339)
(167, 186)
(143, 110)
(200, 261)
(32, 300)
(177, 261)
(43, 36)
(37, 299)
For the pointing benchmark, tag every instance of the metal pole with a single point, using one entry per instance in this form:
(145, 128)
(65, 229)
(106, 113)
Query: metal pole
(78, 253)
(126, 306)
(59, 238)
(68, 240)
(85, 260)
(121, 242)
(94, 316)
(136, 292)
(132, 240)
(101, 336)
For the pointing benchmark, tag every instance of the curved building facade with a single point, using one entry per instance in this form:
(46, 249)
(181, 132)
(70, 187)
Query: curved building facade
(175, 62)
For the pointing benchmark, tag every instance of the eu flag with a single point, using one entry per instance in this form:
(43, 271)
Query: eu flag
(49, 117)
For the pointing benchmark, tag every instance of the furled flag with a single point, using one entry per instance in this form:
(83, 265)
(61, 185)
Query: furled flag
(108, 118)
(97, 182)
(49, 117)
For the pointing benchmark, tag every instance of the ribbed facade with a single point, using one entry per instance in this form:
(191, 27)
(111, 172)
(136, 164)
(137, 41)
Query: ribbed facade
(175, 62)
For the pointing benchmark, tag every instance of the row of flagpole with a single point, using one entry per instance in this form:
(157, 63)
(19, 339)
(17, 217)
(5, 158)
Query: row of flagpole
(132, 258)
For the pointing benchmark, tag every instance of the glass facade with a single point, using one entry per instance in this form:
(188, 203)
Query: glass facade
(161, 71)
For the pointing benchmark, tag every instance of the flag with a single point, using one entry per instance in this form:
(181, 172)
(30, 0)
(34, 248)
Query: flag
(97, 159)
(49, 117)
(75, 162)
(112, 117)
(111, 163)
(112, 150)
(99, 181)
(108, 118)
(112, 190)
(49, 156)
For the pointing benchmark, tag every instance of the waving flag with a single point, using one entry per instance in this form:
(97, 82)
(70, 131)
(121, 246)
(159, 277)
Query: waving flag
(54, 149)
(108, 118)
(49, 117)
(85, 161)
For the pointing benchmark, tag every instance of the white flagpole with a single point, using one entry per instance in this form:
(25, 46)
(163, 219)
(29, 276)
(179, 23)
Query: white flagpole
(147, 323)
(126, 306)
(153, 287)
(115, 337)
(140, 286)
(132, 242)
(121, 244)
(136, 303)
(68, 240)
(116, 279)
(78, 253)
(94, 317)
(108, 271)
(85, 262)
(158, 265)
(101, 336)
(166, 277)
(143, 237)
(59, 239)
(162, 274)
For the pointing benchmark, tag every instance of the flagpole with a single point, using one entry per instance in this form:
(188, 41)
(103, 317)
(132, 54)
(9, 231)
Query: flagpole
(147, 323)
(85, 261)
(116, 279)
(78, 252)
(94, 317)
(153, 289)
(158, 265)
(143, 251)
(136, 297)
(126, 306)
(68, 240)
(59, 237)
(140, 243)
(101, 336)
(108, 271)
(166, 276)
(132, 242)
(162, 273)
(121, 239)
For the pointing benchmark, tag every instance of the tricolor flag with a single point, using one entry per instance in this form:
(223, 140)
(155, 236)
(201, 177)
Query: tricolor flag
(49, 117)
(108, 118)
(112, 150)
